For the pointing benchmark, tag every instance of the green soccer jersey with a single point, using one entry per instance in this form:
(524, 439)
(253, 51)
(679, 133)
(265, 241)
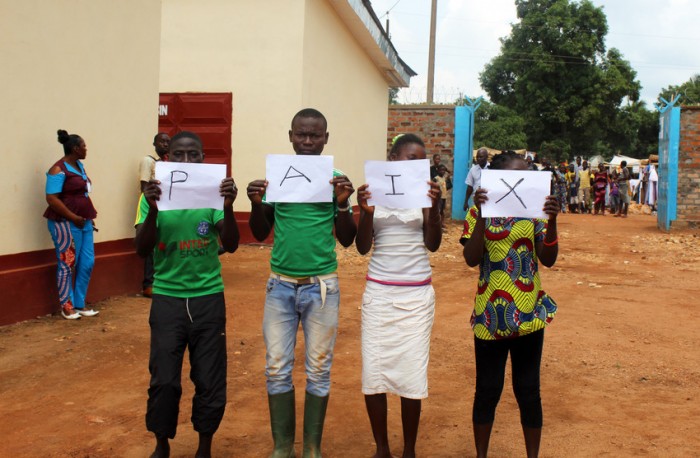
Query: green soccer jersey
(186, 257)
(304, 239)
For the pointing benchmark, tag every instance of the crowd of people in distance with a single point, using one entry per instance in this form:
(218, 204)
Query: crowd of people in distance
(581, 189)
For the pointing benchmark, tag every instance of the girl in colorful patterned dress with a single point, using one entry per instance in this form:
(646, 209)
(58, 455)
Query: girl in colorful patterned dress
(511, 311)
(398, 305)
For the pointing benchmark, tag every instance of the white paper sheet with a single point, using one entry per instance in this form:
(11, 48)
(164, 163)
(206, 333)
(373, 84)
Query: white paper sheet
(185, 185)
(298, 178)
(516, 193)
(399, 184)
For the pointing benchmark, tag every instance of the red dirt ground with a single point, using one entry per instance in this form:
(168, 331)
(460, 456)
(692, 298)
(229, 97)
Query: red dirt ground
(620, 374)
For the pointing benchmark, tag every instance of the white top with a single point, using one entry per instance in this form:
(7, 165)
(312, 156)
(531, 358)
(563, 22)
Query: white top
(474, 176)
(399, 253)
(653, 176)
(147, 168)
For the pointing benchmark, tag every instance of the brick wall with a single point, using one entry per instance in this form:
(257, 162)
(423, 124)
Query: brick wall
(689, 169)
(435, 124)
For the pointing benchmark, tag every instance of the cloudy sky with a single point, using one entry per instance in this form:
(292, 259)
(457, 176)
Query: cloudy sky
(660, 39)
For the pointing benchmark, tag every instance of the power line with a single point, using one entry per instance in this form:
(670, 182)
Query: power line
(530, 58)
(389, 10)
(543, 27)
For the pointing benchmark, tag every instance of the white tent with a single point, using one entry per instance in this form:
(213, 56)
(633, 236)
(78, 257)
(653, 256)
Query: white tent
(631, 162)
(593, 161)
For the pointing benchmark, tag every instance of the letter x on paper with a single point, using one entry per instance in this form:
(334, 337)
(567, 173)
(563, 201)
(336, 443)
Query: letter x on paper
(512, 189)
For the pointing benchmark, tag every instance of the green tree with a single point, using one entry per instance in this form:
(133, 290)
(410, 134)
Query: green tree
(689, 91)
(635, 131)
(554, 71)
(498, 127)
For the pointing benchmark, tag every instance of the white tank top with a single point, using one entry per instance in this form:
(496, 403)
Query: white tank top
(399, 253)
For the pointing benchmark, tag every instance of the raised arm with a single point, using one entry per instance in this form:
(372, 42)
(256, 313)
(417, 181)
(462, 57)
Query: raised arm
(345, 227)
(147, 232)
(365, 229)
(262, 217)
(548, 250)
(228, 229)
(432, 220)
(474, 248)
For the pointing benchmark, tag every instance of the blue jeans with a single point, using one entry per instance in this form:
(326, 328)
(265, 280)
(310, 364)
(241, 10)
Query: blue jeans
(285, 305)
(75, 250)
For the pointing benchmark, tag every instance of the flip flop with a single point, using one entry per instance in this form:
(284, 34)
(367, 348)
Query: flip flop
(90, 312)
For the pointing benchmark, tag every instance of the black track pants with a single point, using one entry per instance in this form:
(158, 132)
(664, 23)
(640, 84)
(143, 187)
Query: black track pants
(199, 324)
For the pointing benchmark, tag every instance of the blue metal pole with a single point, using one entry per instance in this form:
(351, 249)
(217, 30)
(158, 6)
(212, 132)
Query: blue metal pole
(463, 154)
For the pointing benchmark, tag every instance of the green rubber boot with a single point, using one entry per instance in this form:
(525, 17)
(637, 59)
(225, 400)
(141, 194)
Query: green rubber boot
(283, 424)
(314, 416)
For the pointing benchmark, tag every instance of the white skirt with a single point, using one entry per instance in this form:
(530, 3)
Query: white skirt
(396, 326)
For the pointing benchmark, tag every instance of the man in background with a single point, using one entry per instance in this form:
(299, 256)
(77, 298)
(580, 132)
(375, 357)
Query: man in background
(147, 170)
(436, 165)
(474, 176)
(584, 188)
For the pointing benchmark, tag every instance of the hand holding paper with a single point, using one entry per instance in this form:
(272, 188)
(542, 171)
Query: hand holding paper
(342, 187)
(363, 195)
(256, 191)
(515, 193)
(152, 193)
(434, 194)
(228, 190)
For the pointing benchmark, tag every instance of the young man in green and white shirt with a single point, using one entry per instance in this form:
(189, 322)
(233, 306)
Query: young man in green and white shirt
(188, 308)
(303, 287)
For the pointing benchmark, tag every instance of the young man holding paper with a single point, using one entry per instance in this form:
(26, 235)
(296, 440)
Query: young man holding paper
(303, 286)
(188, 308)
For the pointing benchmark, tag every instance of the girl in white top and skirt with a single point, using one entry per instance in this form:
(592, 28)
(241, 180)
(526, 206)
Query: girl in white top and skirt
(398, 305)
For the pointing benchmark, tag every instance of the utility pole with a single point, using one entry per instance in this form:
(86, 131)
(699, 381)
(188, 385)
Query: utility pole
(431, 53)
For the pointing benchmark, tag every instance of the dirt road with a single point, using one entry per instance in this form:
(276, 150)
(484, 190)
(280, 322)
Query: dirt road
(620, 374)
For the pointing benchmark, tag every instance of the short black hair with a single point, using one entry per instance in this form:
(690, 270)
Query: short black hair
(500, 160)
(155, 137)
(69, 141)
(185, 134)
(623, 164)
(310, 113)
(404, 139)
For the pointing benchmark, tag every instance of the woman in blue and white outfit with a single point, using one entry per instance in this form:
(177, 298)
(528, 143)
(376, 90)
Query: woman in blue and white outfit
(70, 218)
(399, 303)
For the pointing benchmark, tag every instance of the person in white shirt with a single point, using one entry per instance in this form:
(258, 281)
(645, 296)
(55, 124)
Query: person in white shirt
(398, 306)
(474, 176)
